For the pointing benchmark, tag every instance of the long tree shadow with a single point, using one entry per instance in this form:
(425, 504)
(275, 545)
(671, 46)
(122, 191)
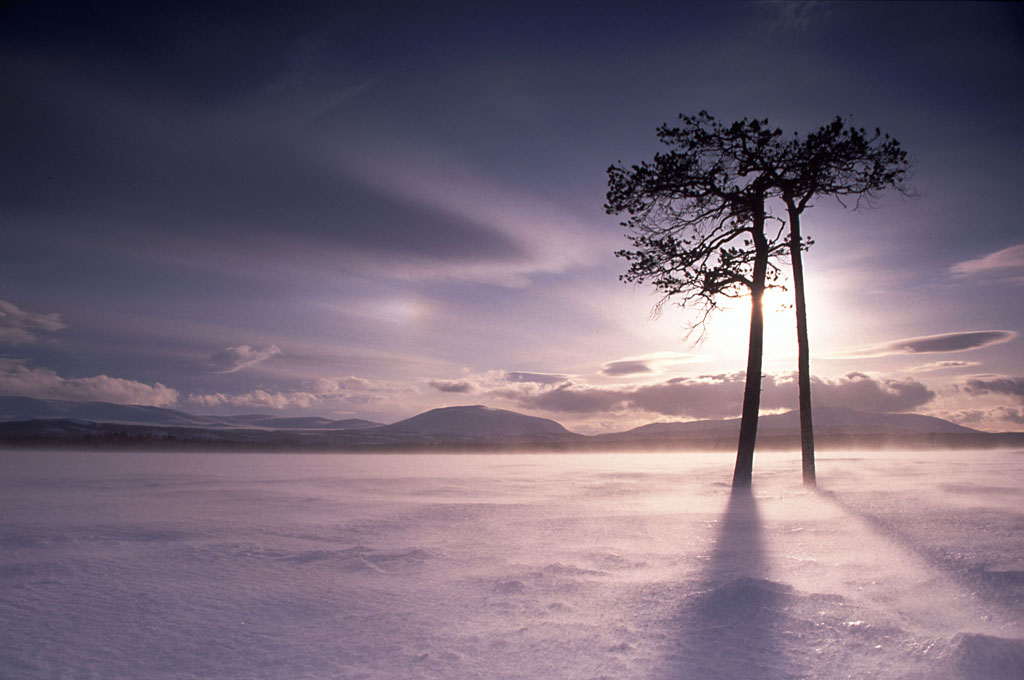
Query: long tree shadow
(729, 625)
(999, 589)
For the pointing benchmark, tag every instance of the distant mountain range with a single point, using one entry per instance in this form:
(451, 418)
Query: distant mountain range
(43, 422)
(827, 420)
(26, 408)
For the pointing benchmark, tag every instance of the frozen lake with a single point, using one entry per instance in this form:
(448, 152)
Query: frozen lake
(907, 565)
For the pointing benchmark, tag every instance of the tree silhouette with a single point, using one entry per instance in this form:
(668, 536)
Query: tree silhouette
(697, 219)
(697, 216)
(839, 161)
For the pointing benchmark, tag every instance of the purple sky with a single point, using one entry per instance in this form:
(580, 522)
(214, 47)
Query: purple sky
(372, 211)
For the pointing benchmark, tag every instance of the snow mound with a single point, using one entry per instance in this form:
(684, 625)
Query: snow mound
(744, 596)
(985, 657)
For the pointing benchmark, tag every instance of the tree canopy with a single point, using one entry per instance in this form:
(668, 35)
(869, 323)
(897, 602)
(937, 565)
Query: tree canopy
(698, 216)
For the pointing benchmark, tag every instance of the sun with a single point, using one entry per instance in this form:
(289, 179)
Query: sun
(728, 330)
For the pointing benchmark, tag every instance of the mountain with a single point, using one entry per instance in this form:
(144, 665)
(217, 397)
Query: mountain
(848, 421)
(27, 408)
(827, 421)
(475, 421)
(297, 423)
(45, 422)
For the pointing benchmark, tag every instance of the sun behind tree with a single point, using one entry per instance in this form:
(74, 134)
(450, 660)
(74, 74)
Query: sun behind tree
(702, 229)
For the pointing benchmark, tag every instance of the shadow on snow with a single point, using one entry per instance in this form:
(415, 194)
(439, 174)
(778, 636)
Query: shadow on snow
(729, 628)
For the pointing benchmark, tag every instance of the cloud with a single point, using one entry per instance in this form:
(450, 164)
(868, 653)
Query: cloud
(1001, 385)
(1007, 260)
(616, 368)
(992, 419)
(929, 344)
(321, 392)
(124, 160)
(964, 416)
(721, 396)
(258, 399)
(234, 359)
(513, 382)
(797, 16)
(1010, 415)
(538, 378)
(17, 379)
(338, 386)
(659, 362)
(452, 386)
(876, 395)
(941, 365)
(18, 326)
(571, 398)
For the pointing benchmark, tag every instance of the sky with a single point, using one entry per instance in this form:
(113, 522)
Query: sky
(374, 209)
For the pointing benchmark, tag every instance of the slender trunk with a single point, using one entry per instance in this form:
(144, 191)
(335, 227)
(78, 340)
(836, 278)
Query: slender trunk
(803, 349)
(752, 391)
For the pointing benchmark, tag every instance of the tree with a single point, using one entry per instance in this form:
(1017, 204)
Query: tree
(838, 161)
(698, 219)
(698, 226)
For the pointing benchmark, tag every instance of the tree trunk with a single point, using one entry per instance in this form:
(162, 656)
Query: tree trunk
(752, 391)
(803, 349)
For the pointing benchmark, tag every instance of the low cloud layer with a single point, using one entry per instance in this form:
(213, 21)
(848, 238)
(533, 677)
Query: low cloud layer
(1013, 387)
(18, 326)
(721, 396)
(234, 359)
(539, 378)
(347, 391)
(18, 379)
(998, 418)
(931, 344)
(258, 399)
(452, 386)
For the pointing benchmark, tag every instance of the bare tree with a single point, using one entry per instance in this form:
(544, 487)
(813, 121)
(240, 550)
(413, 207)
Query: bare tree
(842, 162)
(698, 223)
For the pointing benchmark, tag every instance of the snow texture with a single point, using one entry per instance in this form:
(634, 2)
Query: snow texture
(168, 566)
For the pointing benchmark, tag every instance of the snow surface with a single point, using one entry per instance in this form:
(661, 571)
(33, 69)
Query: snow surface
(907, 565)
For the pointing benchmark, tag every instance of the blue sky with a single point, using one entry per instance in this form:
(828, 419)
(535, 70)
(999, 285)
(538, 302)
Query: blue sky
(374, 210)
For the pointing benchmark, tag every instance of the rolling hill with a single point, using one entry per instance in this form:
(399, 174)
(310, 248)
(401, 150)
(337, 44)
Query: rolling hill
(42, 422)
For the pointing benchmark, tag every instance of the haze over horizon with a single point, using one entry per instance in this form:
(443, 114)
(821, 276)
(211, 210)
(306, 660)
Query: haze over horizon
(374, 211)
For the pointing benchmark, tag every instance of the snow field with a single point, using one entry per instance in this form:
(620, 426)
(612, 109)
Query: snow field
(906, 565)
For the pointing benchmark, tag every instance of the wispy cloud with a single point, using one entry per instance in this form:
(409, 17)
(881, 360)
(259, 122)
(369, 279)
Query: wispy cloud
(19, 379)
(539, 378)
(18, 326)
(929, 344)
(658, 362)
(234, 359)
(943, 365)
(534, 235)
(1008, 261)
(797, 15)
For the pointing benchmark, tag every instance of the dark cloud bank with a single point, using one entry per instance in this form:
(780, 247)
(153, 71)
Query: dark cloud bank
(721, 396)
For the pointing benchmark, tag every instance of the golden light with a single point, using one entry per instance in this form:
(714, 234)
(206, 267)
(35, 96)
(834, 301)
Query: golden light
(729, 329)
